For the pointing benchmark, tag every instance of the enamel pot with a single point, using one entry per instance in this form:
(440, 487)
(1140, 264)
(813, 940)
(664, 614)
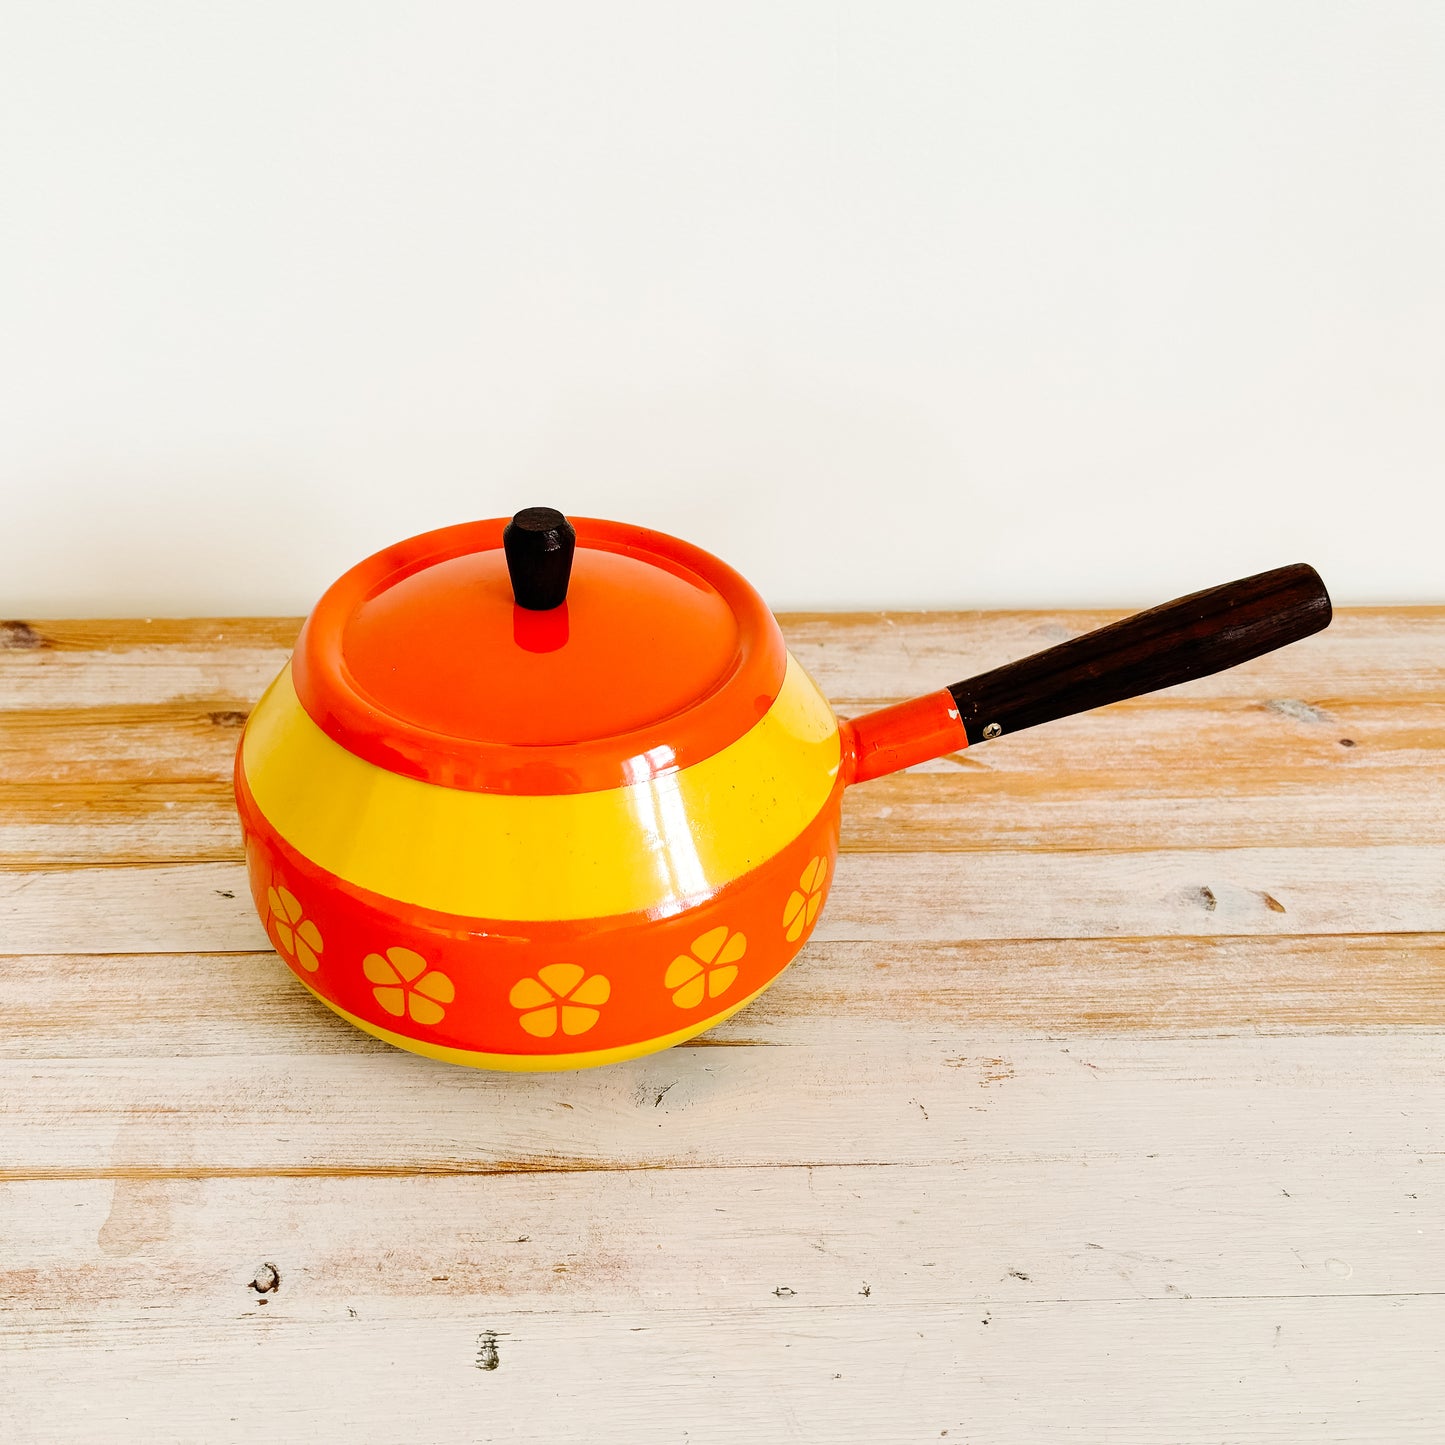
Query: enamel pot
(540, 795)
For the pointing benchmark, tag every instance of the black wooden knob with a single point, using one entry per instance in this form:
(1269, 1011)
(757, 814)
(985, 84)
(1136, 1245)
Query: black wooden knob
(539, 542)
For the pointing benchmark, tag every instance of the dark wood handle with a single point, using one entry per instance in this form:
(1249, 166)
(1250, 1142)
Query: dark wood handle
(539, 543)
(1192, 637)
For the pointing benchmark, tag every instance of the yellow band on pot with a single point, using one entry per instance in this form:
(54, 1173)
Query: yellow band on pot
(571, 855)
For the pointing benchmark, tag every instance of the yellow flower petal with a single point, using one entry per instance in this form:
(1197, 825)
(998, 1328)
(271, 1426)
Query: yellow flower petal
(813, 874)
(707, 946)
(680, 970)
(561, 978)
(285, 938)
(378, 970)
(528, 993)
(436, 985)
(423, 1010)
(814, 904)
(578, 1020)
(273, 902)
(406, 963)
(596, 990)
(736, 947)
(720, 980)
(793, 906)
(541, 1022)
(306, 958)
(309, 932)
(290, 903)
(690, 994)
(393, 1000)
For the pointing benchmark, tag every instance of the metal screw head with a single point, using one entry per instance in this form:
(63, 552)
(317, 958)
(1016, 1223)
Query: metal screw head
(992, 730)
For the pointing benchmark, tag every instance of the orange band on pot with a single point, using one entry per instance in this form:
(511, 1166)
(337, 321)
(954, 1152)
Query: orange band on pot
(537, 994)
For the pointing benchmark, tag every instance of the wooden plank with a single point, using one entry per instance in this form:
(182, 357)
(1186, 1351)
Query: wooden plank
(132, 743)
(852, 1093)
(205, 907)
(44, 639)
(1144, 894)
(132, 825)
(1073, 1229)
(1238, 744)
(1382, 653)
(127, 825)
(162, 792)
(196, 907)
(138, 662)
(1016, 630)
(108, 1005)
(141, 677)
(53, 825)
(858, 658)
(1245, 1372)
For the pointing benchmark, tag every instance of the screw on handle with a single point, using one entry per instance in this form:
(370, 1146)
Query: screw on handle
(1194, 636)
(539, 543)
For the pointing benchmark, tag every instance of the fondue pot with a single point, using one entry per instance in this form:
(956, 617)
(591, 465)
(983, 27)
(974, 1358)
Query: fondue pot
(541, 795)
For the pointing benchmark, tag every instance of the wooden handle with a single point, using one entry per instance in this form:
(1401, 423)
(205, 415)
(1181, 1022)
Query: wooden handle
(1194, 636)
(539, 543)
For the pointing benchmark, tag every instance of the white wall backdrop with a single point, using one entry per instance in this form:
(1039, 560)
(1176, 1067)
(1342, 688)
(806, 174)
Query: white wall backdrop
(891, 304)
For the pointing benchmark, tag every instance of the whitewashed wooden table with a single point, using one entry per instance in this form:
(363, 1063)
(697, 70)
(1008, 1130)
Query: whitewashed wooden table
(1108, 1103)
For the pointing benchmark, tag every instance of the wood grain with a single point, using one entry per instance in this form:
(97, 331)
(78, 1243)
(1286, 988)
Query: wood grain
(1282, 1371)
(849, 1094)
(1108, 1103)
(1045, 1230)
(95, 767)
(205, 907)
(108, 1006)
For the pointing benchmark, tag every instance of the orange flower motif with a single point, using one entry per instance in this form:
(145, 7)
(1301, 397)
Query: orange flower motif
(404, 985)
(709, 969)
(563, 993)
(295, 937)
(805, 900)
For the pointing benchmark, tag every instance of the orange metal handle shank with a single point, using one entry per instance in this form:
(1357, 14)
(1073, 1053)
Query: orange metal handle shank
(897, 737)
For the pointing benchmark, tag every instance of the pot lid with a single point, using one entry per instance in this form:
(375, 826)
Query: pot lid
(645, 655)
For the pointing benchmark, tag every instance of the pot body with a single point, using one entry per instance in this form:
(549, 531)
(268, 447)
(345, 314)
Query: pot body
(518, 931)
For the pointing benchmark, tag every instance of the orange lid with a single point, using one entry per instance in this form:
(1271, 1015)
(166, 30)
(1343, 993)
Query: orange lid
(419, 660)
